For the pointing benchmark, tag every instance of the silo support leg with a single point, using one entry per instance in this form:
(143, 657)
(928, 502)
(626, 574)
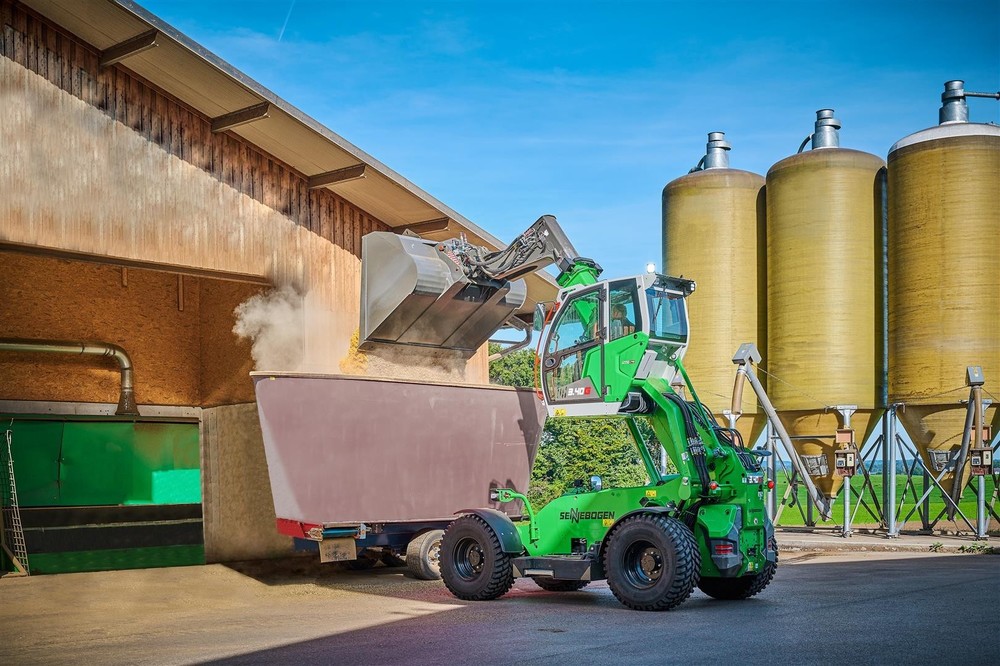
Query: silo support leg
(846, 531)
(889, 471)
(982, 518)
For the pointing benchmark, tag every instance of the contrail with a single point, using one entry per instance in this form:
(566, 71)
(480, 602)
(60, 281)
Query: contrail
(288, 16)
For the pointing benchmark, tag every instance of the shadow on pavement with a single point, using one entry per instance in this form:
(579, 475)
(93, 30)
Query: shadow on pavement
(830, 610)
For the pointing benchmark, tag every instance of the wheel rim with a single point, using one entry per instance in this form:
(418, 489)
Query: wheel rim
(469, 558)
(434, 555)
(643, 564)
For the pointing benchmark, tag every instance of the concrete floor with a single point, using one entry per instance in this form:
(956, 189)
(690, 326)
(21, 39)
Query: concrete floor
(860, 607)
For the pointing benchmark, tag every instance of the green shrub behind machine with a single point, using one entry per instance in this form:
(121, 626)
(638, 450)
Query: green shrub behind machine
(612, 349)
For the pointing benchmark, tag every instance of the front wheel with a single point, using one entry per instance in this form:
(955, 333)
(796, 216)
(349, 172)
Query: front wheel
(473, 564)
(743, 587)
(652, 562)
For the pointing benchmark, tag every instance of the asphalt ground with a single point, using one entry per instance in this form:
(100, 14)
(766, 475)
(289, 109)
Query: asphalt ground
(859, 607)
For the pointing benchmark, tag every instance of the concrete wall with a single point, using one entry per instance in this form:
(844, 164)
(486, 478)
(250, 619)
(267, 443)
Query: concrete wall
(238, 509)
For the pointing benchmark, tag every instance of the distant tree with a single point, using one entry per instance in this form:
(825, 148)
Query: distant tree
(515, 369)
(574, 449)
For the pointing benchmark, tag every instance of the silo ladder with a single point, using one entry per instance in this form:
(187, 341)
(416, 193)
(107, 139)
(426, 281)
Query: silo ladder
(12, 534)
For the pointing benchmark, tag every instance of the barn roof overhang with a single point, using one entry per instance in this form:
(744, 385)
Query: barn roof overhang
(129, 36)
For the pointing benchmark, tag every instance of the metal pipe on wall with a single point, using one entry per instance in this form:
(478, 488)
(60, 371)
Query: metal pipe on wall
(126, 399)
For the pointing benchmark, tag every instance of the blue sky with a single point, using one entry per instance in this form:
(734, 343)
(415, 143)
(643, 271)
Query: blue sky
(508, 110)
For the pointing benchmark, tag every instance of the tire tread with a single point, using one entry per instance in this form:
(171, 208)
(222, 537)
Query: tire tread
(502, 576)
(688, 565)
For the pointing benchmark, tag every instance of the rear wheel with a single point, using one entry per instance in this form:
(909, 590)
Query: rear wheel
(473, 564)
(743, 587)
(553, 585)
(423, 555)
(652, 562)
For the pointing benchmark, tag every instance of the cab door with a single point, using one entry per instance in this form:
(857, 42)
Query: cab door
(573, 354)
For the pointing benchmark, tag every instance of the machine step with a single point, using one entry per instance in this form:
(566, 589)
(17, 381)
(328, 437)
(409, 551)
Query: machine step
(561, 567)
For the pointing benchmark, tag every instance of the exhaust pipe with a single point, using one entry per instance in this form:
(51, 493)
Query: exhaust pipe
(126, 400)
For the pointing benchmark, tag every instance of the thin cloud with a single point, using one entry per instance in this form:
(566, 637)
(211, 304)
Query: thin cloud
(285, 24)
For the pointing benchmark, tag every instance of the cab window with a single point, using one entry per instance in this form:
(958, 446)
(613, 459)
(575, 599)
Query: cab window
(668, 319)
(624, 309)
(578, 324)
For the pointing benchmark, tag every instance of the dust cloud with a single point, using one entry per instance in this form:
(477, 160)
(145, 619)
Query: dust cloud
(273, 321)
(293, 332)
(289, 332)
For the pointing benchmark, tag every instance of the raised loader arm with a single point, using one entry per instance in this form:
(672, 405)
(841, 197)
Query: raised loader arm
(542, 244)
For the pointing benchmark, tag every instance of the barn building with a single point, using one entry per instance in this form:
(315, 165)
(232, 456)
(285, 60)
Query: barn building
(147, 189)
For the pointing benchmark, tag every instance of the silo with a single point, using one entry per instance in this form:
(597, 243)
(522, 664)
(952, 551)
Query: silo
(944, 259)
(713, 225)
(824, 285)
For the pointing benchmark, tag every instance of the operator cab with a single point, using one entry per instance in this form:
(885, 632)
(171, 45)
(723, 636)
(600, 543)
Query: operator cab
(605, 335)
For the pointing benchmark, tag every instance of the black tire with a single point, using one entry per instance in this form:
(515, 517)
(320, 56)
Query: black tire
(554, 585)
(423, 555)
(744, 587)
(473, 564)
(652, 562)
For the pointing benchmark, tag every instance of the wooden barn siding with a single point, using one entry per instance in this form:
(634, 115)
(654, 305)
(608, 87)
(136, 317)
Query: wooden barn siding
(122, 95)
(234, 491)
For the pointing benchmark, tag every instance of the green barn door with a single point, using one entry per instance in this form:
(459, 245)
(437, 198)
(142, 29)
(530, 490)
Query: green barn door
(108, 494)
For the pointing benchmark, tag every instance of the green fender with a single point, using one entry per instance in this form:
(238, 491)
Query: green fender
(502, 526)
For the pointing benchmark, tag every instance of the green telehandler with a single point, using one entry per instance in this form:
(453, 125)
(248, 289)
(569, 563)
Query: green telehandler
(613, 349)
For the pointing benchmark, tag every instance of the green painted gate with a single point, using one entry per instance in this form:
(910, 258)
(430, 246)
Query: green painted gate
(107, 493)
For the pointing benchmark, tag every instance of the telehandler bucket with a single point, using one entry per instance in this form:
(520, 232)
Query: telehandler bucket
(414, 293)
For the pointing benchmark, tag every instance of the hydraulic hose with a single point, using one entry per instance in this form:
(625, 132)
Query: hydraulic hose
(694, 444)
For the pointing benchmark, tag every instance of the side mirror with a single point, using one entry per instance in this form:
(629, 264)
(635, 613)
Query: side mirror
(541, 312)
(596, 483)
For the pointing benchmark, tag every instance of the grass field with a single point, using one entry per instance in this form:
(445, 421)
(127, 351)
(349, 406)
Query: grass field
(866, 514)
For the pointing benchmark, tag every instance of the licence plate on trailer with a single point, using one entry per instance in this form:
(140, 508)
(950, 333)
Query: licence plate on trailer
(337, 550)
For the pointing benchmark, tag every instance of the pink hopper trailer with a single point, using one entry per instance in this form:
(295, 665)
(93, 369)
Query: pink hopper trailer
(364, 468)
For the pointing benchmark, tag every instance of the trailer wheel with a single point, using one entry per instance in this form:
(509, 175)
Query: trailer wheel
(423, 555)
(553, 585)
(473, 564)
(743, 587)
(652, 562)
